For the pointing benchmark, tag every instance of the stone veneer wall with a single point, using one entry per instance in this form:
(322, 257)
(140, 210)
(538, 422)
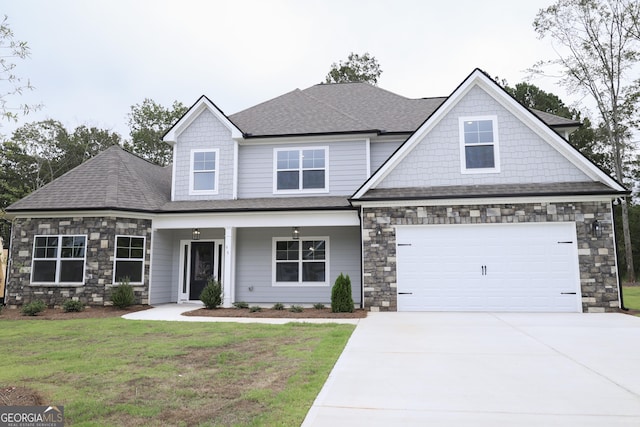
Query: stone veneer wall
(100, 251)
(596, 256)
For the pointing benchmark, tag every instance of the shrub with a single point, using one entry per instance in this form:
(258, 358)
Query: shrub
(122, 295)
(341, 300)
(278, 306)
(211, 295)
(72, 306)
(255, 308)
(240, 304)
(296, 309)
(318, 306)
(33, 308)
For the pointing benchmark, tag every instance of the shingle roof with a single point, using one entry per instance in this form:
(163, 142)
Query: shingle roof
(502, 190)
(346, 108)
(261, 204)
(114, 179)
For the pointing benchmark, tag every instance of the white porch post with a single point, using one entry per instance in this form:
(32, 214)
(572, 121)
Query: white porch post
(229, 266)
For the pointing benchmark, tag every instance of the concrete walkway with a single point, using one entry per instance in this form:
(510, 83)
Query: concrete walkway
(173, 312)
(481, 369)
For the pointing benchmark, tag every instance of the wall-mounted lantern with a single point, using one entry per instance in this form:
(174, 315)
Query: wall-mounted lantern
(295, 233)
(596, 229)
(195, 234)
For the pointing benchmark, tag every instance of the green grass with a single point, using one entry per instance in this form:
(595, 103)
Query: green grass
(631, 297)
(111, 372)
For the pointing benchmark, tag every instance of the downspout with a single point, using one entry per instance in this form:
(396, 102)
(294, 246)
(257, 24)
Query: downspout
(615, 252)
(361, 259)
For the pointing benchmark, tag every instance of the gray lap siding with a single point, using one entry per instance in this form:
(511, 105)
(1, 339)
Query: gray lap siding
(100, 251)
(596, 256)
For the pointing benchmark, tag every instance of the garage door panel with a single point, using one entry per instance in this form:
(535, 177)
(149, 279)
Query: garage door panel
(505, 267)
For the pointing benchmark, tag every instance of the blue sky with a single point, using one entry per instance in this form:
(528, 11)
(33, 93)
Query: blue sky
(91, 60)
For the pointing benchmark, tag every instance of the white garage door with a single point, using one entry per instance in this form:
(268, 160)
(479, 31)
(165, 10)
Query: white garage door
(488, 267)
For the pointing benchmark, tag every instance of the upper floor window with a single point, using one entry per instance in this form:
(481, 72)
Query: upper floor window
(204, 172)
(300, 170)
(58, 259)
(129, 259)
(479, 144)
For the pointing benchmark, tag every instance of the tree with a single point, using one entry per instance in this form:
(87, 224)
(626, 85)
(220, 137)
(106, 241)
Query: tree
(585, 138)
(40, 152)
(12, 50)
(147, 124)
(357, 68)
(600, 51)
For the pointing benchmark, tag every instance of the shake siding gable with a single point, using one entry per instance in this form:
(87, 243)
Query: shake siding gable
(205, 132)
(524, 156)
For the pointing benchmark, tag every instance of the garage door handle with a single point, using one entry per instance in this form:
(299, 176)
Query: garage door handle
(567, 293)
(405, 293)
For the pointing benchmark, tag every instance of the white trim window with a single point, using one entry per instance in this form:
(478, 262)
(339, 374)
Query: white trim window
(203, 174)
(129, 259)
(59, 259)
(301, 262)
(479, 151)
(300, 170)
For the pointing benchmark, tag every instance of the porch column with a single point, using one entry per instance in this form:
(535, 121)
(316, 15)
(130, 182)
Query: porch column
(228, 283)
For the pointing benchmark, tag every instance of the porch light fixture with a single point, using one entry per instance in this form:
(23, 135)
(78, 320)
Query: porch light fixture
(295, 233)
(195, 234)
(379, 230)
(596, 229)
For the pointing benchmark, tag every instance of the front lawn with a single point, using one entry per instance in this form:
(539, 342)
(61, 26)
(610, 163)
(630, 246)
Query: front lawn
(115, 372)
(631, 297)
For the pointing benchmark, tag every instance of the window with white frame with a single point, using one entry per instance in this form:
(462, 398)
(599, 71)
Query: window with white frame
(300, 262)
(59, 259)
(479, 144)
(129, 259)
(300, 170)
(204, 172)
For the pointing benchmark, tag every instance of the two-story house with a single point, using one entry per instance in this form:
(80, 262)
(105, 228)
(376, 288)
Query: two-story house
(469, 202)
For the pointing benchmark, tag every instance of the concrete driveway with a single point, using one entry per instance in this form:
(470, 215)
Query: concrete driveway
(484, 369)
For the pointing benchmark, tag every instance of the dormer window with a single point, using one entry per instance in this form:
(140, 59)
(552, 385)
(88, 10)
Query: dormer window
(479, 144)
(300, 170)
(204, 172)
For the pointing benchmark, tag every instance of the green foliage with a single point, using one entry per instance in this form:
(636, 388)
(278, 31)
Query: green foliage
(211, 295)
(296, 309)
(72, 306)
(12, 50)
(319, 306)
(240, 304)
(357, 68)
(634, 228)
(33, 308)
(255, 309)
(631, 297)
(148, 123)
(278, 306)
(122, 295)
(40, 152)
(341, 299)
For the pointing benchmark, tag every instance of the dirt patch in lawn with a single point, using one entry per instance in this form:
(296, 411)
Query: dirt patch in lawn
(91, 312)
(19, 396)
(307, 313)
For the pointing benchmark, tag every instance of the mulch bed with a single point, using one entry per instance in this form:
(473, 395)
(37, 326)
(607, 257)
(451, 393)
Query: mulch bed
(90, 312)
(307, 313)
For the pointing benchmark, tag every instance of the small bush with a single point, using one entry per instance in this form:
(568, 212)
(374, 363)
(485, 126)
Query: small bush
(296, 309)
(255, 308)
(211, 295)
(72, 306)
(240, 304)
(341, 300)
(33, 308)
(319, 306)
(278, 306)
(122, 295)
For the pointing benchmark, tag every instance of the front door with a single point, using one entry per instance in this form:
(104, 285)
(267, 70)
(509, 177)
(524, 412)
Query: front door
(203, 267)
